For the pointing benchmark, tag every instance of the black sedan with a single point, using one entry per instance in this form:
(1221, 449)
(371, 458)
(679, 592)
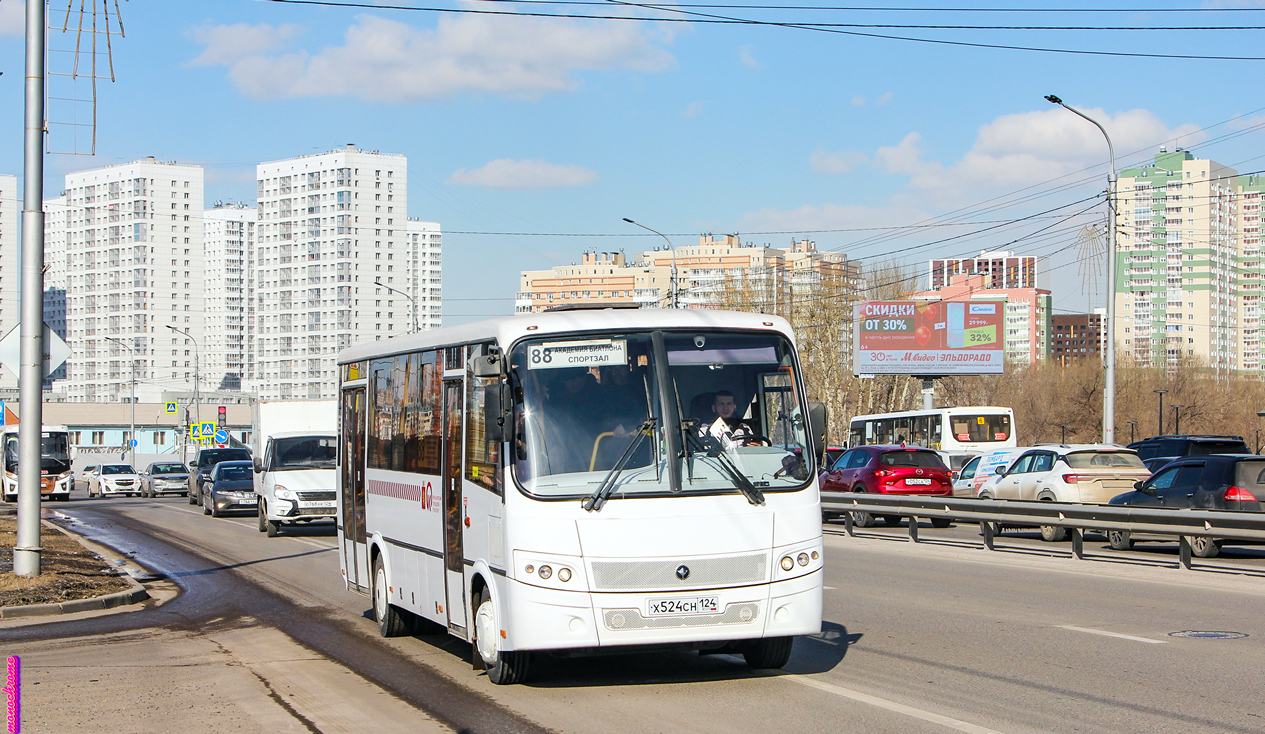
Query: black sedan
(163, 477)
(1234, 482)
(230, 487)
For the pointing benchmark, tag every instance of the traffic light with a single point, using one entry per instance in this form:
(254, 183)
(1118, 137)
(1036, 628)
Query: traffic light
(223, 416)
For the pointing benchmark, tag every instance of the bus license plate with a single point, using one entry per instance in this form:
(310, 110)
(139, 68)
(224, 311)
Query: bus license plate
(686, 605)
(918, 480)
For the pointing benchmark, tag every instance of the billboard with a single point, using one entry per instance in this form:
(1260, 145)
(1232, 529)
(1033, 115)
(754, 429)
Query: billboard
(928, 337)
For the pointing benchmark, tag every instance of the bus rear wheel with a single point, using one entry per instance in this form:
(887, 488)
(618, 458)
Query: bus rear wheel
(768, 653)
(504, 667)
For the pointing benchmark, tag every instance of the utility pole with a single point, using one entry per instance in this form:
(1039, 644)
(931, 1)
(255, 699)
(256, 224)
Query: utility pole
(673, 297)
(26, 552)
(131, 442)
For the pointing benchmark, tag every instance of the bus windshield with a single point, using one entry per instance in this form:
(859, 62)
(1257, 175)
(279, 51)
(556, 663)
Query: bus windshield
(54, 453)
(589, 410)
(990, 428)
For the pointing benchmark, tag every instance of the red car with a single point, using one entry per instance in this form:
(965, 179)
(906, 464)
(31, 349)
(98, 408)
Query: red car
(887, 470)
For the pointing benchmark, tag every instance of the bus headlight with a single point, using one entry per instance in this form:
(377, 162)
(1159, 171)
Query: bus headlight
(544, 572)
(797, 560)
(802, 559)
(565, 573)
(788, 564)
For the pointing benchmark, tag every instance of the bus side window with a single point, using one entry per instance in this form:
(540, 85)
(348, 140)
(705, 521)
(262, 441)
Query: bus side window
(482, 456)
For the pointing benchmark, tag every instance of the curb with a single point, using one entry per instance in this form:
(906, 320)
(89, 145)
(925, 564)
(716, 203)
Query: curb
(133, 595)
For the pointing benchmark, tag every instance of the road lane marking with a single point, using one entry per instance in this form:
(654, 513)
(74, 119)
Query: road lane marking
(1105, 633)
(883, 703)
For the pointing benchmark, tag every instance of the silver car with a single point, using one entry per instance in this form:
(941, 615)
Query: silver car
(164, 477)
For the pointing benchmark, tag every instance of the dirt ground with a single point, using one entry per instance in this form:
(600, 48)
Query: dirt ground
(67, 570)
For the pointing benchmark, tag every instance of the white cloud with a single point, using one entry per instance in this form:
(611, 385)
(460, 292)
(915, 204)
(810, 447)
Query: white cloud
(858, 101)
(12, 18)
(744, 54)
(504, 173)
(836, 162)
(227, 44)
(387, 61)
(884, 98)
(694, 110)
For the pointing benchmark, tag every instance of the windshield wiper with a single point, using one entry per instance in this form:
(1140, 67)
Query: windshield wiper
(711, 447)
(603, 491)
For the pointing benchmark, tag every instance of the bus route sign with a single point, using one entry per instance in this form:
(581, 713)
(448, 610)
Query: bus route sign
(928, 337)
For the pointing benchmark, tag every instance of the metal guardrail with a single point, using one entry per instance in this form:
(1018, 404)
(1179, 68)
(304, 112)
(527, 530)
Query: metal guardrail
(1186, 524)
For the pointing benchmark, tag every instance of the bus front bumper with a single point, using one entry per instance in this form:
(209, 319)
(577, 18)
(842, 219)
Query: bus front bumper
(547, 619)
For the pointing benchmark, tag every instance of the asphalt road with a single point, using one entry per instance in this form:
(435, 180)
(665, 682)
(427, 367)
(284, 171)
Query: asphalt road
(935, 637)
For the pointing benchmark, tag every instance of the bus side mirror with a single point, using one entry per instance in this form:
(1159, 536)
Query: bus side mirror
(817, 428)
(494, 412)
(259, 465)
(486, 365)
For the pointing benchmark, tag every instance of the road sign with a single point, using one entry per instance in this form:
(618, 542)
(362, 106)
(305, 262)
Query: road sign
(195, 431)
(172, 408)
(56, 351)
(208, 429)
(221, 436)
(133, 443)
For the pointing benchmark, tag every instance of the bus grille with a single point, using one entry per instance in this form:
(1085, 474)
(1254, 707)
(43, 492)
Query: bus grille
(631, 619)
(662, 574)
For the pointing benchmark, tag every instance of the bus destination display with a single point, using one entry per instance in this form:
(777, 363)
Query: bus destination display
(928, 338)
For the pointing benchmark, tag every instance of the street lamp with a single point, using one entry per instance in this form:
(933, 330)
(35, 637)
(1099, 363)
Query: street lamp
(131, 443)
(1161, 394)
(1109, 391)
(673, 298)
(1062, 433)
(1259, 414)
(197, 402)
(1132, 425)
(378, 282)
(1177, 419)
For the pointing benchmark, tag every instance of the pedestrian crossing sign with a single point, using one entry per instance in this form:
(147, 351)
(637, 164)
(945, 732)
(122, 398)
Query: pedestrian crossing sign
(195, 431)
(172, 408)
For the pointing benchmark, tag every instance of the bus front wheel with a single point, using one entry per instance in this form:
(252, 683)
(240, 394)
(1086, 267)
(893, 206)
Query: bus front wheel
(504, 667)
(391, 622)
(768, 652)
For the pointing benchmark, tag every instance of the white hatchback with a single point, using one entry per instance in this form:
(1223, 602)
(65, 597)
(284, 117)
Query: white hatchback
(1077, 473)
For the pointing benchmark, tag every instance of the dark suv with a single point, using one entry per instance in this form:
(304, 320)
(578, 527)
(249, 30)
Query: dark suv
(204, 463)
(888, 470)
(1220, 482)
(1157, 451)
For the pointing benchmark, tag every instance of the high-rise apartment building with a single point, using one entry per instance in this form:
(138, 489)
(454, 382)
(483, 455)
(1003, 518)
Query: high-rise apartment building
(1028, 314)
(134, 274)
(999, 269)
(1076, 337)
(10, 268)
(1180, 259)
(228, 267)
(56, 217)
(702, 272)
(330, 225)
(425, 273)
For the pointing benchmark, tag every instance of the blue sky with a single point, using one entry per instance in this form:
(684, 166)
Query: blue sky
(540, 126)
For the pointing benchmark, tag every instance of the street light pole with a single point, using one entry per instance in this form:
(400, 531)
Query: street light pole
(26, 548)
(1062, 433)
(1132, 425)
(197, 402)
(378, 282)
(131, 443)
(1109, 391)
(1161, 394)
(673, 297)
(1177, 419)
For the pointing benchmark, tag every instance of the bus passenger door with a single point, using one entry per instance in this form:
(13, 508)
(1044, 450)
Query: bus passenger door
(355, 552)
(454, 552)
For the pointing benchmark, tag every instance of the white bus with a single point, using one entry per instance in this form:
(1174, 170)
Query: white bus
(56, 479)
(973, 429)
(560, 482)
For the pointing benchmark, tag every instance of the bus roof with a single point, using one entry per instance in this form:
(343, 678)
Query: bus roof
(508, 329)
(960, 410)
(13, 427)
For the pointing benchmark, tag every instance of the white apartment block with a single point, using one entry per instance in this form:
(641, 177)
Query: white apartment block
(135, 271)
(228, 258)
(10, 268)
(425, 274)
(56, 217)
(330, 224)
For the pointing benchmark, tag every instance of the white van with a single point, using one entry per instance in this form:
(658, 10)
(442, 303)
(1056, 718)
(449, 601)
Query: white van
(296, 480)
(983, 475)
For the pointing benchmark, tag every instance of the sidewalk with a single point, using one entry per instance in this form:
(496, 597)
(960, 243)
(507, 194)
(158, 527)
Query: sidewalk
(236, 678)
